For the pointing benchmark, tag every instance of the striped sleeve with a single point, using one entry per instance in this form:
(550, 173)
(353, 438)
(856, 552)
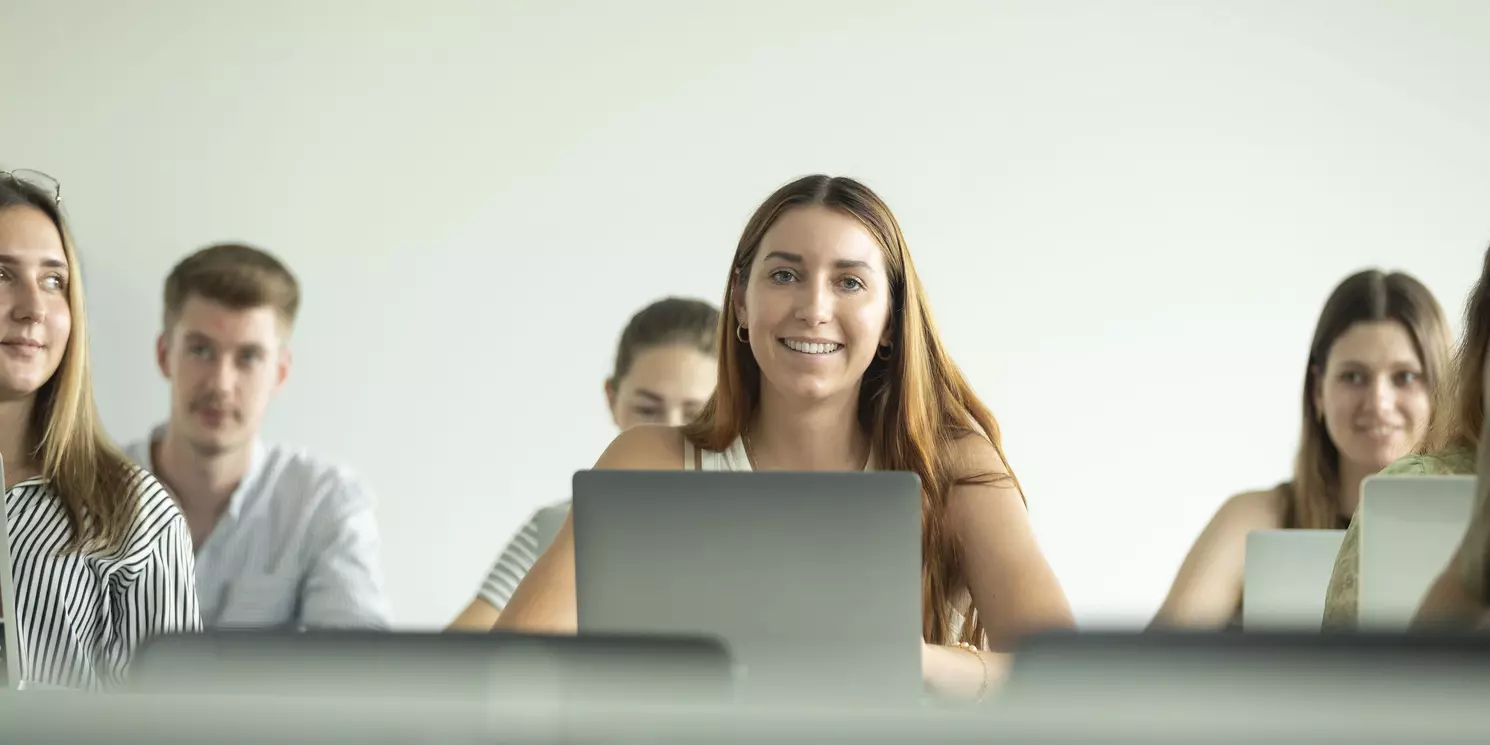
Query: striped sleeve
(156, 590)
(519, 556)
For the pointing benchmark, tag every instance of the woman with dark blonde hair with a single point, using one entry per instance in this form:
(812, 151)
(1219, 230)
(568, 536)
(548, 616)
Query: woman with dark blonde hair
(1378, 358)
(832, 362)
(101, 556)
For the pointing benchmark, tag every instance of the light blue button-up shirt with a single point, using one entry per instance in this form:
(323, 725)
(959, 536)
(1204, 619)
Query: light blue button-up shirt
(298, 546)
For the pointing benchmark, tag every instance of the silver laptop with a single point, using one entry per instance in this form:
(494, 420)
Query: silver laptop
(1286, 576)
(813, 580)
(1410, 527)
(12, 635)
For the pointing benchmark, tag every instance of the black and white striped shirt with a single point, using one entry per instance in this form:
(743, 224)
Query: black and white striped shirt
(81, 616)
(521, 553)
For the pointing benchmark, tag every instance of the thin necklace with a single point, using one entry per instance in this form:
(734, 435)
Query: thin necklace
(755, 462)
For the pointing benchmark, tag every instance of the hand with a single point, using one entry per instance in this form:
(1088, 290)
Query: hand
(958, 673)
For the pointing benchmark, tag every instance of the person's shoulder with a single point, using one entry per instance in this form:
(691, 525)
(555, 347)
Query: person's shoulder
(980, 472)
(296, 475)
(645, 447)
(1454, 460)
(1254, 510)
(157, 510)
(975, 458)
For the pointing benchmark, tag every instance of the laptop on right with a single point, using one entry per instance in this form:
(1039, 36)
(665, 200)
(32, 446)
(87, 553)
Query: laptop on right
(1410, 528)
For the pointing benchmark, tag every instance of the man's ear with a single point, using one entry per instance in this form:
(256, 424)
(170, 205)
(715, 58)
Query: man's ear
(282, 372)
(162, 351)
(610, 394)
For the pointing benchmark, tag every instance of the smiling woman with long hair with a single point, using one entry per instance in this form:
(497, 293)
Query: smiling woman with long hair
(1378, 358)
(1450, 449)
(101, 555)
(831, 362)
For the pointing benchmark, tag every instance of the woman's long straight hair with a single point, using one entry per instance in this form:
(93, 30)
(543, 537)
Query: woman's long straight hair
(1364, 297)
(1463, 404)
(913, 406)
(92, 478)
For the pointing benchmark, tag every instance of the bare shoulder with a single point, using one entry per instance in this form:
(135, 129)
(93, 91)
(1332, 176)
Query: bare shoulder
(981, 480)
(975, 458)
(1253, 510)
(647, 447)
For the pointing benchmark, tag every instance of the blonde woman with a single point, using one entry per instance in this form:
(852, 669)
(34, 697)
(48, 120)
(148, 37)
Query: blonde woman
(101, 556)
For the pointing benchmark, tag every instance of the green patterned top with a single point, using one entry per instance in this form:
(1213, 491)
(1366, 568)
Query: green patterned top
(1341, 598)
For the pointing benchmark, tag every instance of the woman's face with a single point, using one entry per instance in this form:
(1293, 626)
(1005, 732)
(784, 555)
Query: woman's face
(1372, 393)
(34, 309)
(666, 385)
(816, 304)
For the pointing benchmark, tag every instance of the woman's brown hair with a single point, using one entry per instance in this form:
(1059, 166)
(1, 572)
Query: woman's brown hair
(1364, 297)
(914, 406)
(1463, 401)
(94, 481)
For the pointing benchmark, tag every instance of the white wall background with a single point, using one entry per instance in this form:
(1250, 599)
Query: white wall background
(1127, 216)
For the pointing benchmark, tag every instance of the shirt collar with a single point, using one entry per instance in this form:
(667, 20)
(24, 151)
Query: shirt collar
(245, 485)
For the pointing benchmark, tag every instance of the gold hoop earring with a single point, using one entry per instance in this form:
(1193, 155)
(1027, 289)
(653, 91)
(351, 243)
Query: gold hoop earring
(740, 334)
(885, 352)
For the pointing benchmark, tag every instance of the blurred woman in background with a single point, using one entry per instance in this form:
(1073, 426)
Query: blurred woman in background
(664, 374)
(1379, 353)
(1453, 443)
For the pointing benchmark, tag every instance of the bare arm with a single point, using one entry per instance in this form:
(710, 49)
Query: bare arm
(1208, 588)
(544, 601)
(1013, 588)
(1448, 604)
(480, 615)
(514, 563)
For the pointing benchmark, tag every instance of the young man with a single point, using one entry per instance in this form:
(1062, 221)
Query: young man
(282, 539)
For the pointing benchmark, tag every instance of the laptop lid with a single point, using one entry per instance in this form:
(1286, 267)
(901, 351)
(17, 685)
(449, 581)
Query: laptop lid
(1286, 576)
(812, 579)
(1410, 528)
(11, 638)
